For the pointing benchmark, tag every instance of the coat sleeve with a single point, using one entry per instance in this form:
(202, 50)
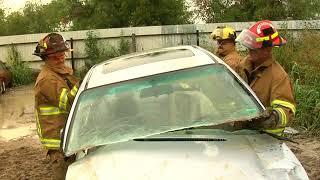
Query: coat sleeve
(282, 100)
(57, 93)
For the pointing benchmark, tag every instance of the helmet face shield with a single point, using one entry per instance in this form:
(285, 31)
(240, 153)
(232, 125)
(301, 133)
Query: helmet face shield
(249, 39)
(261, 34)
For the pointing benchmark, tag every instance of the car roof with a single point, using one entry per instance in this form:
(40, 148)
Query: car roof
(148, 63)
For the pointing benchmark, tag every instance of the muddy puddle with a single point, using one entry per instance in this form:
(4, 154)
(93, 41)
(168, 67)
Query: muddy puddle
(17, 113)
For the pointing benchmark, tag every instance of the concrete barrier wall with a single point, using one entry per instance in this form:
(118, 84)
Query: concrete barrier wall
(149, 37)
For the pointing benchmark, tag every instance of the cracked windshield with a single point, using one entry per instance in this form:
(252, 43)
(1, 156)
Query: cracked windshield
(81, 74)
(158, 104)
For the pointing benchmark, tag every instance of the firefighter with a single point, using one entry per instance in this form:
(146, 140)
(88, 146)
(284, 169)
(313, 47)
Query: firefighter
(266, 77)
(55, 89)
(225, 37)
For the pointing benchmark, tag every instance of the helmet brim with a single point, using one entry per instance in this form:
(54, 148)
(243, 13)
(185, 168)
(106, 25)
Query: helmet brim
(279, 41)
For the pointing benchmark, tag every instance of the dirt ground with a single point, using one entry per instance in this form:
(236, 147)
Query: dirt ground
(308, 153)
(22, 157)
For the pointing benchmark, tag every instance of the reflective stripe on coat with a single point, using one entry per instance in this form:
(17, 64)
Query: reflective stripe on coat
(53, 100)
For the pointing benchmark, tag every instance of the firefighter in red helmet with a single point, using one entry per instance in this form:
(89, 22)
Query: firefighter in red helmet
(266, 77)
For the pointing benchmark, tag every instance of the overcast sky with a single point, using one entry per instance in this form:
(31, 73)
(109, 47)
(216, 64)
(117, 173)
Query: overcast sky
(14, 5)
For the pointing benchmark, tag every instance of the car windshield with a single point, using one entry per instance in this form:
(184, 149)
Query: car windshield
(200, 96)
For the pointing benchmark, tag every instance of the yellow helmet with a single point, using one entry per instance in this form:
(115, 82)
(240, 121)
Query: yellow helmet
(223, 32)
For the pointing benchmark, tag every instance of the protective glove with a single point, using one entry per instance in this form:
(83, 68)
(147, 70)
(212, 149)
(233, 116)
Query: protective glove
(270, 122)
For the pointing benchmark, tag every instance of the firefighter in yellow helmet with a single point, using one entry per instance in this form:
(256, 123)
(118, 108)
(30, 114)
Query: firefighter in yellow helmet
(55, 89)
(266, 77)
(225, 37)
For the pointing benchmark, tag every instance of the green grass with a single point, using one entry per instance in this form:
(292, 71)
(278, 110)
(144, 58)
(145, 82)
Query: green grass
(21, 73)
(301, 59)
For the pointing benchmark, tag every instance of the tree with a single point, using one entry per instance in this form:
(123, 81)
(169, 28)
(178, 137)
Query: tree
(2, 23)
(252, 10)
(16, 24)
(60, 15)
(126, 13)
(36, 18)
(303, 9)
(46, 18)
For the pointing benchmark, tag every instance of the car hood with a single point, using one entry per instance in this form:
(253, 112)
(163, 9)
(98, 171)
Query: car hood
(238, 157)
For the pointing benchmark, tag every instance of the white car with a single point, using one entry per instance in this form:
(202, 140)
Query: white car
(169, 114)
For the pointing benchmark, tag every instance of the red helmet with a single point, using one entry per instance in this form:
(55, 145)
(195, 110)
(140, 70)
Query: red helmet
(261, 34)
(50, 44)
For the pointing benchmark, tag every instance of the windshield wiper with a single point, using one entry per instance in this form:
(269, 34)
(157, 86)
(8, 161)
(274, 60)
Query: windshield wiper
(278, 137)
(180, 139)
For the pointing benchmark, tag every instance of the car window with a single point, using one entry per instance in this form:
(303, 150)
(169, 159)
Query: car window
(207, 95)
(147, 58)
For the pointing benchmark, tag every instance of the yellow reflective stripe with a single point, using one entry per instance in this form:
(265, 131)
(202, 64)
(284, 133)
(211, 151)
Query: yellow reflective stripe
(38, 124)
(278, 131)
(283, 116)
(284, 104)
(50, 110)
(50, 146)
(266, 38)
(51, 143)
(63, 99)
(74, 91)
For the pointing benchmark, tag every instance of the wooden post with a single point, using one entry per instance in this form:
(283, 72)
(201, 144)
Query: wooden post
(72, 57)
(134, 42)
(197, 32)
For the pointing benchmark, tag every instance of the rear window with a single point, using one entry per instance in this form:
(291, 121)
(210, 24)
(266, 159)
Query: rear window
(147, 58)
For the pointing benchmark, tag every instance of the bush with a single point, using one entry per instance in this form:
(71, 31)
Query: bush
(92, 50)
(301, 59)
(21, 73)
(96, 52)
